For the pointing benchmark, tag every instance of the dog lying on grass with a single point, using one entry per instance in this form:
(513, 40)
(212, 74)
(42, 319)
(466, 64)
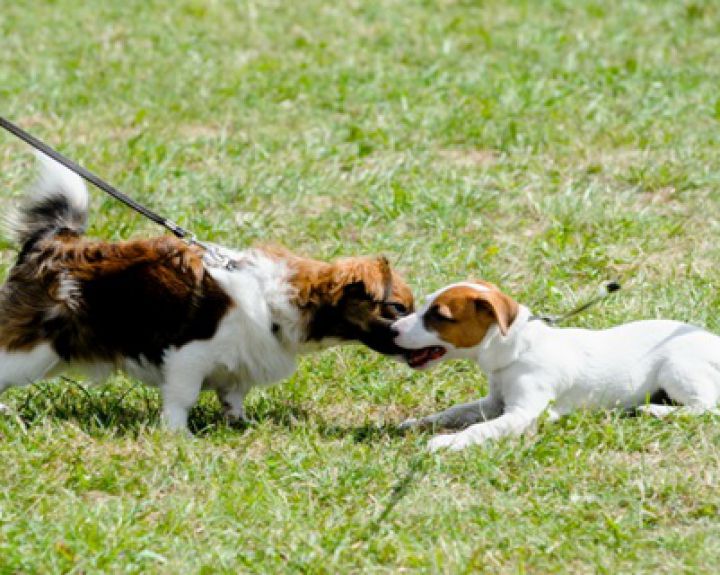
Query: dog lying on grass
(155, 308)
(532, 367)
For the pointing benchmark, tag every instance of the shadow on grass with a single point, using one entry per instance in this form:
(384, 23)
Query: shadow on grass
(125, 410)
(365, 433)
(121, 410)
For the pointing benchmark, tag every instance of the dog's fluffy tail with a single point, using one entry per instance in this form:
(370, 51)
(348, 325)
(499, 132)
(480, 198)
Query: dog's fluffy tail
(57, 201)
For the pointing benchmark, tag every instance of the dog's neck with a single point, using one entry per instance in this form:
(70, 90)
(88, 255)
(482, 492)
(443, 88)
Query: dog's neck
(497, 351)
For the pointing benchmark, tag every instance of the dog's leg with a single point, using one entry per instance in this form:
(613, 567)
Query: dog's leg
(662, 411)
(19, 368)
(655, 410)
(512, 422)
(693, 385)
(233, 404)
(526, 399)
(180, 392)
(458, 416)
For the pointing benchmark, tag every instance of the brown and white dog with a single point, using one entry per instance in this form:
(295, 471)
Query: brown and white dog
(533, 367)
(156, 309)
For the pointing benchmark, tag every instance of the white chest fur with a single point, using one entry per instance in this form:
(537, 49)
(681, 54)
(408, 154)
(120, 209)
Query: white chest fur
(257, 340)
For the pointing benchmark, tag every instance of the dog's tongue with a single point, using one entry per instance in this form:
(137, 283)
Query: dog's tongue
(419, 357)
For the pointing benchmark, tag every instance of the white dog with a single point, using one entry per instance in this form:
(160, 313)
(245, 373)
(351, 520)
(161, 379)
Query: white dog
(532, 367)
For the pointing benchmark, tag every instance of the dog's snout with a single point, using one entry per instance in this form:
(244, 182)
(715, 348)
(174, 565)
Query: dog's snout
(399, 325)
(394, 330)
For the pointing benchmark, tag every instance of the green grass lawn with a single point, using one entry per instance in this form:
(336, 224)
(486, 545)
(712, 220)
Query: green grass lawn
(543, 145)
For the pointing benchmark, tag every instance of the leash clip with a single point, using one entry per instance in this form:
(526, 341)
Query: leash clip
(216, 257)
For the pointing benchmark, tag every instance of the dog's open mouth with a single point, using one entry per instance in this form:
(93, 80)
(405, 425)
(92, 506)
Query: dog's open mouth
(417, 358)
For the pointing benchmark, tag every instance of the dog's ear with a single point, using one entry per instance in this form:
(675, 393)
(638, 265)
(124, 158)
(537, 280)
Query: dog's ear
(386, 277)
(501, 307)
(366, 278)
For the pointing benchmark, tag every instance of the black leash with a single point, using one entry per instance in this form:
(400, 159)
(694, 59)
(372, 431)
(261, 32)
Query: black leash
(605, 290)
(96, 181)
(214, 253)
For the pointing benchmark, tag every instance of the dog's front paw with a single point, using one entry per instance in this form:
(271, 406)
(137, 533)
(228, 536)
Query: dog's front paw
(409, 424)
(657, 411)
(451, 442)
(445, 441)
(420, 423)
(5, 409)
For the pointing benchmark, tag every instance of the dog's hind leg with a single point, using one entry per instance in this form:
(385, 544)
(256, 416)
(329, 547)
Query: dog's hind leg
(23, 367)
(692, 385)
(179, 393)
(662, 411)
(233, 405)
(20, 367)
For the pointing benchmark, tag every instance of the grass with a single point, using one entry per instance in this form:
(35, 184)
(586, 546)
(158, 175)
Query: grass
(544, 145)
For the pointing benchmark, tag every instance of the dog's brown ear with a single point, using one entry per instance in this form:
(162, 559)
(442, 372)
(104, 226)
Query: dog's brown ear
(387, 277)
(368, 277)
(503, 308)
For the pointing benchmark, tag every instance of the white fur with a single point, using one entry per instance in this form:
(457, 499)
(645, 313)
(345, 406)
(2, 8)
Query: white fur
(54, 178)
(21, 368)
(68, 296)
(69, 292)
(537, 367)
(417, 337)
(244, 352)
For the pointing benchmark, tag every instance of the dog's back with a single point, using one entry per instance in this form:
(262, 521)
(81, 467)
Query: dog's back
(88, 298)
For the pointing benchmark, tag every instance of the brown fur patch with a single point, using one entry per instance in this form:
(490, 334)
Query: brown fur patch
(462, 315)
(354, 298)
(317, 282)
(133, 298)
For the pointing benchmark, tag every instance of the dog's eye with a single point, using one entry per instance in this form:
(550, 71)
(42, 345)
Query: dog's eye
(393, 310)
(397, 308)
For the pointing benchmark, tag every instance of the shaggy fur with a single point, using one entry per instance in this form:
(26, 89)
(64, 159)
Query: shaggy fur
(158, 310)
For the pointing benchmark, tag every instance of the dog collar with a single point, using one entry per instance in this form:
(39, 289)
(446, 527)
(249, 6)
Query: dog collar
(216, 256)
